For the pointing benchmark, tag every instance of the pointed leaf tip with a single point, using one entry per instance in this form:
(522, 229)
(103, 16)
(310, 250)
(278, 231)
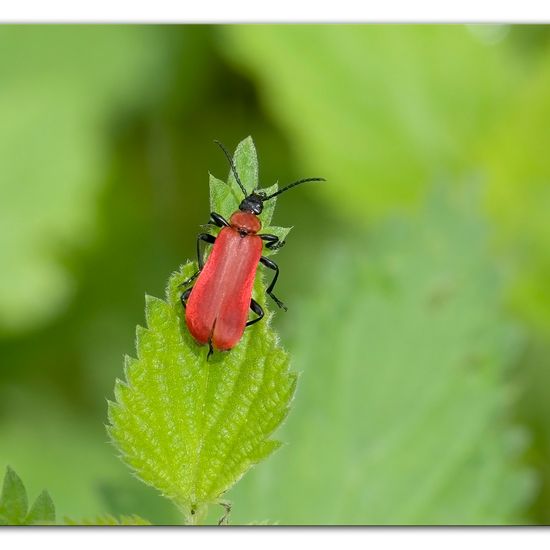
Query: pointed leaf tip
(13, 500)
(42, 511)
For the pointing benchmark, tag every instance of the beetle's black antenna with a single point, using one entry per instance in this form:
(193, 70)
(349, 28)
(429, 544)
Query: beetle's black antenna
(232, 164)
(293, 185)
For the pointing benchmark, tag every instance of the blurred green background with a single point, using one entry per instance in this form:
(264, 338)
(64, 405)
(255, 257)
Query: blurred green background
(416, 278)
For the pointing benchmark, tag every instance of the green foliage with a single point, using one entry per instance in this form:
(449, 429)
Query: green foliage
(14, 504)
(188, 426)
(75, 458)
(226, 197)
(518, 166)
(382, 110)
(59, 87)
(42, 511)
(45, 428)
(108, 519)
(402, 410)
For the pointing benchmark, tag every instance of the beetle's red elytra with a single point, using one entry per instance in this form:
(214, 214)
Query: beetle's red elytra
(216, 307)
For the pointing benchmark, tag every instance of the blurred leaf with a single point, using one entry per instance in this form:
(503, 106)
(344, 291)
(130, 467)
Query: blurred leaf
(128, 495)
(192, 427)
(49, 442)
(401, 415)
(14, 504)
(76, 461)
(534, 410)
(380, 111)
(61, 86)
(13, 501)
(42, 511)
(518, 196)
(108, 519)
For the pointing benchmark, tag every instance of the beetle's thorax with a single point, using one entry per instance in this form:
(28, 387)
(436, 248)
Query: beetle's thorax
(245, 223)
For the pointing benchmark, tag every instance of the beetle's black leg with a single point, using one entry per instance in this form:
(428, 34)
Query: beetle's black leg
(215, 219)
(192, 278)
(184, 296)
(218, 219)
(272, 241)
(207, 238)
(257, 309)
(272, 265)
(210, 350)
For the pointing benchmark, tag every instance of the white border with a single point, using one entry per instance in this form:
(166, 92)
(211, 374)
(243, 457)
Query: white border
(280, 11)
(275, 538)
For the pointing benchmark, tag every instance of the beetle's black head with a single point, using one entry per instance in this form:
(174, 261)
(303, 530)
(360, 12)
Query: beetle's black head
(253, 203)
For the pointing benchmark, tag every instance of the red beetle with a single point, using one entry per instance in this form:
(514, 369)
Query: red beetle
(216, 307)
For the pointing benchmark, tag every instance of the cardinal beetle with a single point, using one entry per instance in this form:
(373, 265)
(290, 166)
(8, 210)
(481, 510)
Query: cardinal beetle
(216, 307)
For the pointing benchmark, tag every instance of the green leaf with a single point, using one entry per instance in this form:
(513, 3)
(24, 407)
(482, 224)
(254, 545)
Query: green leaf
(14, 504)
(42, 511)
(225, 198)
(280, 232)
(269, 208)
(189, 426)
(13, 501)
(246, 163)
(403, 410)
(108, 519)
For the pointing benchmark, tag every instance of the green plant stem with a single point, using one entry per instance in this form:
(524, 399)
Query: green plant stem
(196, 515)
